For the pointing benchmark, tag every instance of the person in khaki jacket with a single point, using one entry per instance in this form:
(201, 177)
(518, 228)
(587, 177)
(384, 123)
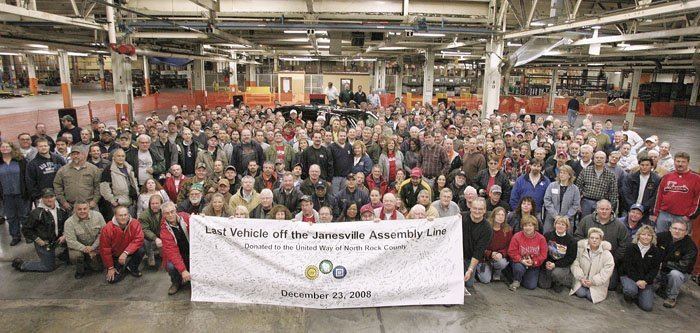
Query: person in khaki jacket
(210, 154)
(82, 232)
(78, 180)
(118, 184)
(246, 196)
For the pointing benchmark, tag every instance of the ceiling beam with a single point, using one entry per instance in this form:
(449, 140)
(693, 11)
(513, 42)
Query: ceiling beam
(310, 6)
(404, 8)
(212, 5)
(640, 36)
(168, 35)
(636, 13)
(44, 16)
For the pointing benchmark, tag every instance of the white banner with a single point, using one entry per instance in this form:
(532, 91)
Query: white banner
(332, 265)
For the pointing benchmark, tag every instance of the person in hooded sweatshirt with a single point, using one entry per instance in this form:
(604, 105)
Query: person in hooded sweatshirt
(42, 169)
(121, 246)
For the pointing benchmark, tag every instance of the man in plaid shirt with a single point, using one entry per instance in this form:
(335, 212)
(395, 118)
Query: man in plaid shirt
(434, 158)
(596, 182)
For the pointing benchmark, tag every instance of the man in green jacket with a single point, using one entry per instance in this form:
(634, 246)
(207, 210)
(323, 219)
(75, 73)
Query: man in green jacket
(150, 224)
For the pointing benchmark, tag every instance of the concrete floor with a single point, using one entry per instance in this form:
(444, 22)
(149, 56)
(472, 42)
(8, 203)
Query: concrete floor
(57, 302)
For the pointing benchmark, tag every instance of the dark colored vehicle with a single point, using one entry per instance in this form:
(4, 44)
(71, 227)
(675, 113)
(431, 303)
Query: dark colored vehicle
(311, 112)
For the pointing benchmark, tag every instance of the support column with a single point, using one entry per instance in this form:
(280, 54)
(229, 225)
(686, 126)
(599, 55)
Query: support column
(123, 86)
(250, 73)
(198, 79)
(276, 64)
(101, 63)
(696, 85)
(428, 76)
(64, 72)
(553, 90)
(492, 77)
(398, 84)
(233, 76)
(31, 73)
(13, 71)
(189, 77)
(634, 96)
(146, 77)
(382, 76)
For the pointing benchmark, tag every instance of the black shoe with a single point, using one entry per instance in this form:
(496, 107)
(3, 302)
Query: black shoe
(134, 273)
(2, 220)
(661, 292)
(557, 288)
(628, 298)
(79, 275)
(17, 264)
(15, 241)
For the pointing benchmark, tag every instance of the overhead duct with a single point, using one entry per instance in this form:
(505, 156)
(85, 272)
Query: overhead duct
(533, 49)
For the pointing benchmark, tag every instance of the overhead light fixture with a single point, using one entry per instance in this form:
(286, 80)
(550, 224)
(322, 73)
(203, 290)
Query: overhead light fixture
(295, 40)
(43, 52)
(235, 46)
(428, 34)
(298, 59)
(9, 54)
(454, 45)
(317, 32)
(323, 40)
(514, 44)
(481, 40)
(38, 46)
(622, 44)
(392, 48)
(596, 64)
(638, 47)
(99, 51)
(538, 24)
(455, 53)
(324, 46)
(364, 59)
(77, 54)
(595, 27)
(207, 46)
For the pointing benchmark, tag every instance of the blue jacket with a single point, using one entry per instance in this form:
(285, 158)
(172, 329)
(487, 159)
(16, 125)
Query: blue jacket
(364, 165)
(524, 188)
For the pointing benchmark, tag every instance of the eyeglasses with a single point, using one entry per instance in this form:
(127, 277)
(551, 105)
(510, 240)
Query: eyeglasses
(678, 229)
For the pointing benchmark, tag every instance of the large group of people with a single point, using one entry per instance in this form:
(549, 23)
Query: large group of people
(544, 202)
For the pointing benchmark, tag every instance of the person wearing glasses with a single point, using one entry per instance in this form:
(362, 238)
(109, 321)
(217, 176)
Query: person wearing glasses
(678, 255)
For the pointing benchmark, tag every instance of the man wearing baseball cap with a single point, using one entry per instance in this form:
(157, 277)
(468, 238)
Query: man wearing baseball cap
(77, 180)
(68, 126)
(44, 227)
(200, 178)
(408, 194)
(635, 219)
(495, 199)
(308, 213)
(367, 213)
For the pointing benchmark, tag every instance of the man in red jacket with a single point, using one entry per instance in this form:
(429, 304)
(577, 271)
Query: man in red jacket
(678, 194)
(174, 232)
(121, 245)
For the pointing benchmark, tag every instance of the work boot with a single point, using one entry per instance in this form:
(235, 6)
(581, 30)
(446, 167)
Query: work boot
(557, 288)
(17, 264)
(174, 287)
(135, 273)
(152, 261)
(79, 270)
(514, 286)
(670, 303)
(627, 298)
(2, 220)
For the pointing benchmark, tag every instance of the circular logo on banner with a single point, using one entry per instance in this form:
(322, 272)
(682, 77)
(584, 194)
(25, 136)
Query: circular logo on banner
(326, 266)
(339, 272)
(311, 272)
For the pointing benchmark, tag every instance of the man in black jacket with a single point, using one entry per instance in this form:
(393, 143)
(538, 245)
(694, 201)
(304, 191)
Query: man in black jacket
(287, 195)
(317, 154)
(644, 182)
(342, 156)
(678, 255)
(248, 150)
(476, 236)
(42, 169)
(360, 96)
(44, 227)
(145, 161)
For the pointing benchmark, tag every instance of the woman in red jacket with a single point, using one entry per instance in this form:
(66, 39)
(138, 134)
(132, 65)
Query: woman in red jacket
(527, 251)
(496, 254)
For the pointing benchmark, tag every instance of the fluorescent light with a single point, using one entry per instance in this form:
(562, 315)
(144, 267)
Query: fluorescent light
(324, 46)
(552, 53)
(596, 64)
(207, 46)
(454, 45)
(595, 27)
(38, 46)
(622, 44)
(9, 54)
(299, 59)
(455, 53)
(77, 54)
(323, 40)
(235, 46)
(514, 44)
(317, 32)
(637, 47)
(428, 34)
(43, 52)
(538, 24)
(481, 40)
(364, 59)
(392, 48)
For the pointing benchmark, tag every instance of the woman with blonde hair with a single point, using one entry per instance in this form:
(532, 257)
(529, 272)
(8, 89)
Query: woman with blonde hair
(562, 198)
(639, 267)
(496, 254)
(217, 207)
(241, 212)
(361, 161)
(593, 267)
(561, 253)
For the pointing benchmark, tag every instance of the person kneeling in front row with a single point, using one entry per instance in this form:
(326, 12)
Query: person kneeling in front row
(527, 252)
(121, 245)
(174, 234)
(639, 268)
(82, 233)
(593, 267)
(561, 246)
(678, 255)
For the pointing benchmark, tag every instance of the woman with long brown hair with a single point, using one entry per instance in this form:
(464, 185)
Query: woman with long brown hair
(496, 254)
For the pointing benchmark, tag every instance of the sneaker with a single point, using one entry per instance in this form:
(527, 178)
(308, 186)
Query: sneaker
(670, 303)
(514, 286)
(134, 273)
(174, 288)
(17, 264)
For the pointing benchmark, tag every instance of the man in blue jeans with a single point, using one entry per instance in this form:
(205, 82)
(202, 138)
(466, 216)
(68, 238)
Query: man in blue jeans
(476, 236)
(678, 255)
(175, 237)
(44, 227)
(572, 111)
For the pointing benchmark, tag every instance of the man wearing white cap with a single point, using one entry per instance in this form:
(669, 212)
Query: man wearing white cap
(649, 144)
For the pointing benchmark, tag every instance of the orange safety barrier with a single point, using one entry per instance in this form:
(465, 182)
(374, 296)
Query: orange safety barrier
(662, 109)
